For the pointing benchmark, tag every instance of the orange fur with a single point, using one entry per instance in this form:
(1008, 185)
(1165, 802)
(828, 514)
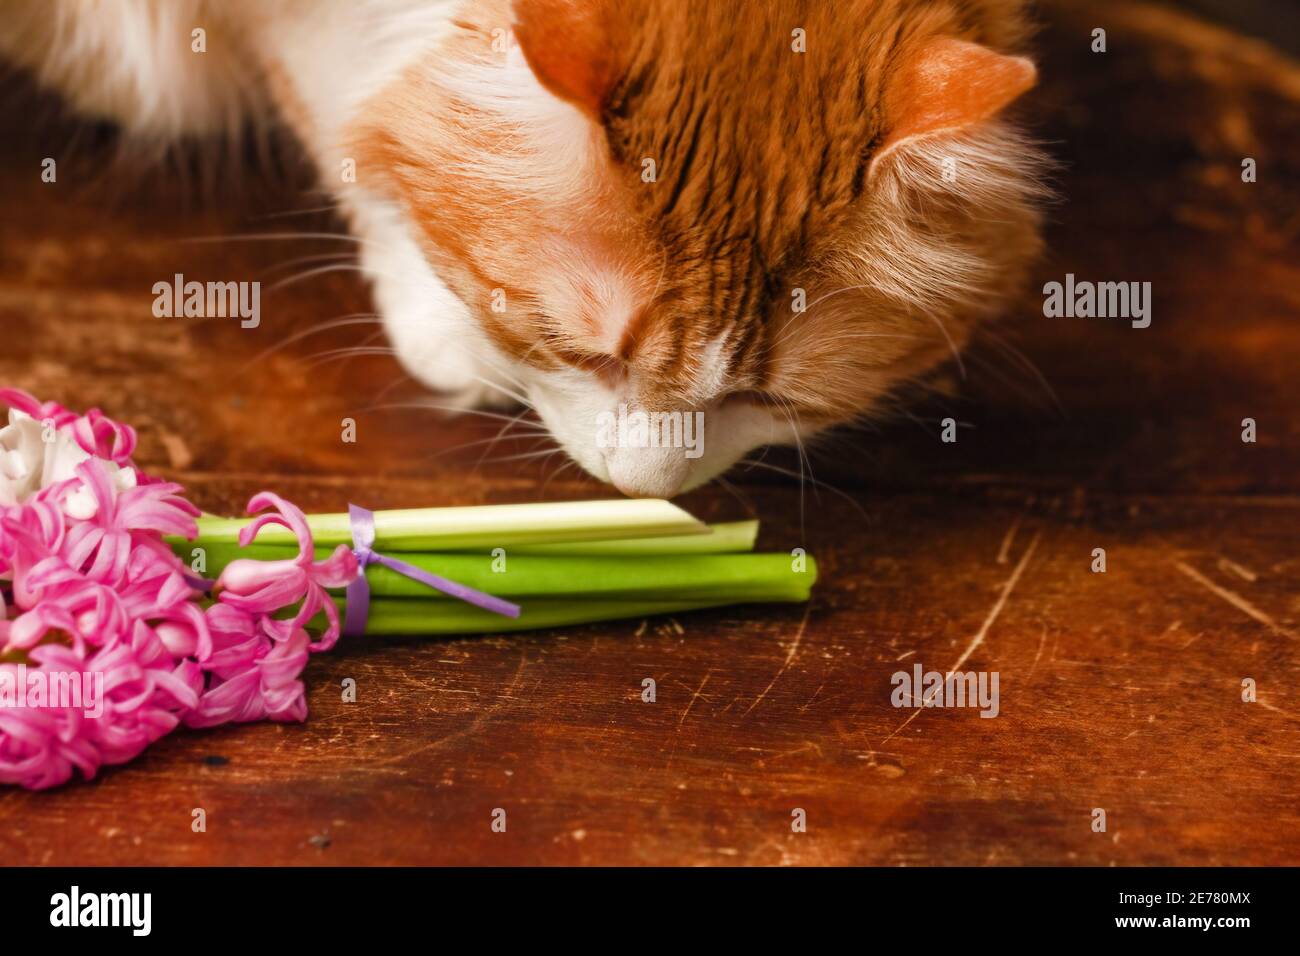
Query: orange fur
(776, 171)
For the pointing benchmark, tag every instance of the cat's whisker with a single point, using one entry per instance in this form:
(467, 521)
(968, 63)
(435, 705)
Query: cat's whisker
(563, 467)
(792, 418)
(736, 493)
(290, 213)
(343, 354)
(523, 456)
(497, 368)
(443, 452)
(397, 382)
(869, 423)
(518, 419)
(503, 390)
(312, 273)
(359, 318)
(1002, 343)
(454, 410)
(506, 433)
(997, 371)
(952, 346)
(767, 466)
(304, 260)
(804, 466)
(278, 237)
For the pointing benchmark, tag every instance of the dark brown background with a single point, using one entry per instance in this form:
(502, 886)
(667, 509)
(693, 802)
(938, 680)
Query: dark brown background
(1119, 690)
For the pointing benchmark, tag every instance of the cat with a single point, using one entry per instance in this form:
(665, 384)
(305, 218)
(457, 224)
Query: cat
(770, 213)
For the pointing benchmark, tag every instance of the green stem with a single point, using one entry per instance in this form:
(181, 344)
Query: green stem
(414, 617)
(726, 538)
(565, 564)
(756, 577)
(671, 577)
(485, 527)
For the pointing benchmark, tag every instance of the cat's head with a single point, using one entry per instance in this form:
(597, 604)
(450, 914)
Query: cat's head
(769, 212)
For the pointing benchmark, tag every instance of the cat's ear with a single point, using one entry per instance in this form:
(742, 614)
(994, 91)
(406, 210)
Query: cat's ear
(950, 84)
(570, 47)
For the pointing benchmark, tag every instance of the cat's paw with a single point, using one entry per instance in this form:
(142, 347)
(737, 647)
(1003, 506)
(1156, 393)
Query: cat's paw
(431, 330)
(462, 381)
(444, 357)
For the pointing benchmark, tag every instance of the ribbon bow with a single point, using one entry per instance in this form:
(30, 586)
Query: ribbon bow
(358, 593)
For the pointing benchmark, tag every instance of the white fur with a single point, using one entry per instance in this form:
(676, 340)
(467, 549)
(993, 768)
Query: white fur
(132, 61)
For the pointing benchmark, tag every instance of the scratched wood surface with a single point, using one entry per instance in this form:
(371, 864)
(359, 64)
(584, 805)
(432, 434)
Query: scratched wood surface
(1119, 691)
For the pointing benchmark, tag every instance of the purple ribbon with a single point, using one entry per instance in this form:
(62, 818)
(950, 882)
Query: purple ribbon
(358, 593)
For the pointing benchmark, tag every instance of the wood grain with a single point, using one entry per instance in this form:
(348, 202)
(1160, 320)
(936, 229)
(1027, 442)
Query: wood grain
(1119, 690)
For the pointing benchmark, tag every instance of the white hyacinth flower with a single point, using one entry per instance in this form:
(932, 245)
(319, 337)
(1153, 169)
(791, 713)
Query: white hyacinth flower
(34, 456)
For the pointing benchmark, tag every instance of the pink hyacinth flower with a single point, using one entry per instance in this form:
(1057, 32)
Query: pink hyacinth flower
(256, 674)
(104, 438)
(265, 587)
(30, 536)
(145, 691)
(89, 586)
(41, 411)
(86, 612)
(101, 543)
(95, 432)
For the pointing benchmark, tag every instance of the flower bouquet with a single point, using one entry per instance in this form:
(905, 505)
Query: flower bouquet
(126, 612)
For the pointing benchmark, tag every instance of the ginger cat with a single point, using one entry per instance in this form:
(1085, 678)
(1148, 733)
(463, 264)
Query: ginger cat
(767, 213)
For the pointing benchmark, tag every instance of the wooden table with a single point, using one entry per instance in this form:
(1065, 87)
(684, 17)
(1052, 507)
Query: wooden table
(1120, 691)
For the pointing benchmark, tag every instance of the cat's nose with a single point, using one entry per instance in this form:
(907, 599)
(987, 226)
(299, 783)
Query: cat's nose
(647, 472)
